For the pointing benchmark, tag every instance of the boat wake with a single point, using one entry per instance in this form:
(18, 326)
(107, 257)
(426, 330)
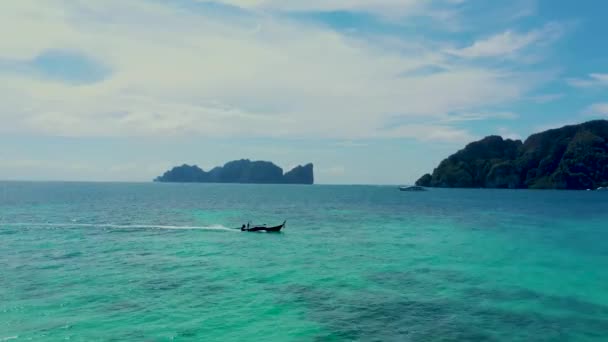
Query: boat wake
(118, 226)
(9, 338)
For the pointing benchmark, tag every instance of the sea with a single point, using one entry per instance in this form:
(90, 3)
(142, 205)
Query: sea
(164, 262)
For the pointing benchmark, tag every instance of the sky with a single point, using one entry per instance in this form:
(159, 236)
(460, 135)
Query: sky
(370, 91)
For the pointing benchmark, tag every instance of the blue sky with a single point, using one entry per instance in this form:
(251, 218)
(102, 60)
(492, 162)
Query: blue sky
(373, 92)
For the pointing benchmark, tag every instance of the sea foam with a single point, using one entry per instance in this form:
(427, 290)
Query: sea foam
(118, 226)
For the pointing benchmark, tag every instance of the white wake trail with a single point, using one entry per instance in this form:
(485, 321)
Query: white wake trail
(117, 226)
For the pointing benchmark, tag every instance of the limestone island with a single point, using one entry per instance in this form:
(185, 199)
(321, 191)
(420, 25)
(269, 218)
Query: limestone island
(239, 171)
(572, 157)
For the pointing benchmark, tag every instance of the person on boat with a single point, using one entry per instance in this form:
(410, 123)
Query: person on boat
(243, 228)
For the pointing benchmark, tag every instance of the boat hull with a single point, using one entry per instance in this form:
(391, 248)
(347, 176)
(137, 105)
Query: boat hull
(275, 229)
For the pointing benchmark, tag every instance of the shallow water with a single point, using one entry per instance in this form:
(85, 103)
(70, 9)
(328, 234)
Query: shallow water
(160, 262)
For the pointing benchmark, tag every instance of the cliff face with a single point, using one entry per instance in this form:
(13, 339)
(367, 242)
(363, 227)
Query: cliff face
(571, 157)
(185, 173)
(240, 171)
(477, 165)
(300, 175)
(246, 171)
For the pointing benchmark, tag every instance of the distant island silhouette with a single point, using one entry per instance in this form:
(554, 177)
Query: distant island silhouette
(572, 157)
(239, 171)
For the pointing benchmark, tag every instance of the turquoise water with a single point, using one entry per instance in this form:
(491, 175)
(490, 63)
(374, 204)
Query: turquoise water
(159, 262)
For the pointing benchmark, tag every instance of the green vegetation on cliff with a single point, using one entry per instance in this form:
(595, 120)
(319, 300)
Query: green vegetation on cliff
(571, 157)
(240, 171)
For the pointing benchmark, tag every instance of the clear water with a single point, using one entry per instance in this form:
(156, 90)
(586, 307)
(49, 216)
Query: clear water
(159, 262)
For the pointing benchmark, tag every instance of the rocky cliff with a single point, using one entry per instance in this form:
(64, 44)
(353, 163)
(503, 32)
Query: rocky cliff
(571, 157)
(240, 171)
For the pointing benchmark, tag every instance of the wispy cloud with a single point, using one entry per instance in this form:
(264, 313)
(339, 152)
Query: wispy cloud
(350, 144)
(174, 71)
(545, 98)
(522, 8)
(430, 132)
(479, 116)
(337, 170)
(593, 80)
(384, 8)
(509, 43)
(13, 169)
(597, 109)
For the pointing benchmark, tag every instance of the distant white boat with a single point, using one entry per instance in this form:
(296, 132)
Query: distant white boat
(602, 189)
(412, 188)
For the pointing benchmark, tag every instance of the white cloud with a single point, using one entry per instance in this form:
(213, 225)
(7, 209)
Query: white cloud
(603, 78)
(385, 8)
(22, 169)
(350, 144)
(522, 8)
(594, 80)
(177, 72)
(479, 116)
(509, 43)
(338, 170)
(546, 98)
(597, 109)
(326, 5)
(430, 132)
